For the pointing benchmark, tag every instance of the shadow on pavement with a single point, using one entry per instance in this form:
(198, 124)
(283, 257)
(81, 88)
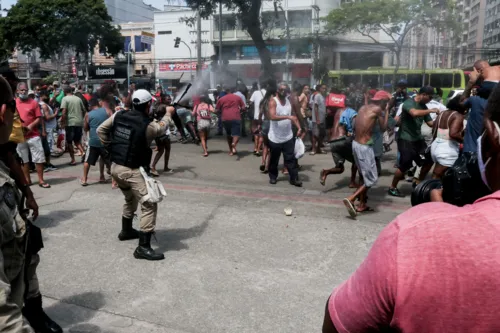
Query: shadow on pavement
(76, 318)
(171, 239)
(54, 217)
(183, 169)
(59, 181)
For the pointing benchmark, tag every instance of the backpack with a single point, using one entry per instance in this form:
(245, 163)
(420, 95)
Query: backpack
(335, 101)
(204, 113)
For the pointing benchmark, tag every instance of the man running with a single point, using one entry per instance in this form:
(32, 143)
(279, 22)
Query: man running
(362, 148)
(341, 145)
(230, 107)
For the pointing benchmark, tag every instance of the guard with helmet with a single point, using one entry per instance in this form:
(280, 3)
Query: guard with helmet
(128, 135)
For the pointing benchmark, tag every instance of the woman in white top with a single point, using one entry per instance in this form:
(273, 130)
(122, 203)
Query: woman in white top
(281, 138)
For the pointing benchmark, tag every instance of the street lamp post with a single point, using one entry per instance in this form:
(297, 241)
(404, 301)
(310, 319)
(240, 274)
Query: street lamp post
(128, 63)
(178, 40)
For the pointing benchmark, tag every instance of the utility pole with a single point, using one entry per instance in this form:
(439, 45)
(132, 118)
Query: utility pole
(28, 71)
(220, 40)
(287, 59)
(198, 43)
(128, 63)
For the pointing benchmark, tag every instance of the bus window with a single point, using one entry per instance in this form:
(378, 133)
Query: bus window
(427, 79)
(371, 80)
(414, 80)
(457, 81)
(348, 79)
(441, 80)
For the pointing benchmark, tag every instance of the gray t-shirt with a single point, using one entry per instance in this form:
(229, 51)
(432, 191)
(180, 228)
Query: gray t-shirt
(320, 101)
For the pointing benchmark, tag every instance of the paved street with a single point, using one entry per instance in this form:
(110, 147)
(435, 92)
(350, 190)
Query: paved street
(234, 261)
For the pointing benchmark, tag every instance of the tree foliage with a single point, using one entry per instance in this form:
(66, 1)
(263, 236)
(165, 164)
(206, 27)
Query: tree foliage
(51, 26)
(395, 18)
(249, 15)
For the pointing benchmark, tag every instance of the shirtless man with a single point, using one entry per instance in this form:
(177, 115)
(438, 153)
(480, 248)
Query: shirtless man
(341, 145)
(362, 148)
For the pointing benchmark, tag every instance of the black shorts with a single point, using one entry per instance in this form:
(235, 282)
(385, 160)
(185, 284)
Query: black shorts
(329, 119)
(74, 134)
(342, 150)
(232, 127)
(93, 154)
(412, 151)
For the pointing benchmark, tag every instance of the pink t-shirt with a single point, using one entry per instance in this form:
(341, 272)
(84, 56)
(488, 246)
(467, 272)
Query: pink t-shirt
(29, 111)
(230, 106)
(203, 111)
(435, 268)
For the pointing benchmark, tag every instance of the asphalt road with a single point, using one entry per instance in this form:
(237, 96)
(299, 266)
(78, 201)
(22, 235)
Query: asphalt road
(234, 261)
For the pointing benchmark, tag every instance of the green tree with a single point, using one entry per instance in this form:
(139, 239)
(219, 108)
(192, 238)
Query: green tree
(395, 18)
(52, 26)
(248, 14)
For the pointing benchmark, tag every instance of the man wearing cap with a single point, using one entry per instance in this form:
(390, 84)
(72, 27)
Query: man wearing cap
(362, 148)
(128, 135)
(411, 143)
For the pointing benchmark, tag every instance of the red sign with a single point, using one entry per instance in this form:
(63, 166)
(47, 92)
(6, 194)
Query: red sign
(180, 66)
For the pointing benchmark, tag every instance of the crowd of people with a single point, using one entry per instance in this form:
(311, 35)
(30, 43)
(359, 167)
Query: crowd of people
(357, 124)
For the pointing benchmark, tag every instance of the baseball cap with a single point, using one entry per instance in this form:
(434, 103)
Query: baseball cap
(381, 95)
(428, 90)
(141, 96)
(387, 85)
(372, 92)
(31, 92)
(55, 83)
(403, 82)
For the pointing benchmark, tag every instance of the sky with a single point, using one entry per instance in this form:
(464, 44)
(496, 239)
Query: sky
(156, 3)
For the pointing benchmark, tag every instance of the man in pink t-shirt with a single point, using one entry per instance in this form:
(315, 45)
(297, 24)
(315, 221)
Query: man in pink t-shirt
(29, 112)
(436, 267)
(230, 106)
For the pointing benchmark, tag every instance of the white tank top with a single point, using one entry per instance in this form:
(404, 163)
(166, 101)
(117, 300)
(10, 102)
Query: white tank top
(281, 131)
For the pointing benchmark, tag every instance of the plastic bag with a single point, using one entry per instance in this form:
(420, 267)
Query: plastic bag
(300, 148)
(156, 191)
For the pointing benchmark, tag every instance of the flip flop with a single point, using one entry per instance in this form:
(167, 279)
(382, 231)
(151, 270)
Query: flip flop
(154, 173)
(72, 163)
(365, 210)
(312, 153)
(205, 155)
(105, 181)
(83, 183)
(350, 208)
(169, 171)
(44, 185)
(321, 180)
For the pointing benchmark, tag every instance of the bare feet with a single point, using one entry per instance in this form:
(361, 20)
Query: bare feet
(353, 185)
(205, 154)
(322, 178)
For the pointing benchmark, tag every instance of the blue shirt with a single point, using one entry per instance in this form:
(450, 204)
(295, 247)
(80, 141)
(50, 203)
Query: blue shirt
(475, 126)
(346, 119)
(96, 118)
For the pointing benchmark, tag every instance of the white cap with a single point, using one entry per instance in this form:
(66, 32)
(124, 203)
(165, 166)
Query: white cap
(31, 92)
(141, 96)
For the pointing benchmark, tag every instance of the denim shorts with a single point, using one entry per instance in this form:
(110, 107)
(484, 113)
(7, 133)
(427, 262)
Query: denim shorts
(232, 127)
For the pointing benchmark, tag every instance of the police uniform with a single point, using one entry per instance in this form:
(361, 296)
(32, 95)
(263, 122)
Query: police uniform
(12, 254)
(128, 136)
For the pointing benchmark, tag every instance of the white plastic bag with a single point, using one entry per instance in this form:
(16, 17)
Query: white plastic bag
(156, 191)
(300, 148)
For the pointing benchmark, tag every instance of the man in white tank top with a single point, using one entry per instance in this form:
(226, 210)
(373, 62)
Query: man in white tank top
(281, 138)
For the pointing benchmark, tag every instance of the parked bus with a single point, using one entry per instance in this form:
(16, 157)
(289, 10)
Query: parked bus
(446, 79)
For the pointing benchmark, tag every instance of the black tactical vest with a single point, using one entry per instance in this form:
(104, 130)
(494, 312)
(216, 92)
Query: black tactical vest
(129, 146)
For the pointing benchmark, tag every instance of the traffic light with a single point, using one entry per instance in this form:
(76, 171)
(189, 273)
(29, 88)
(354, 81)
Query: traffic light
(177, 42)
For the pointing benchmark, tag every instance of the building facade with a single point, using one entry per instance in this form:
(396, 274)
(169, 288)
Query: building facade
(124, 11)
(491, 35)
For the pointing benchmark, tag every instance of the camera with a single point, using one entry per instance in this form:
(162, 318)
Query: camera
(461, 183)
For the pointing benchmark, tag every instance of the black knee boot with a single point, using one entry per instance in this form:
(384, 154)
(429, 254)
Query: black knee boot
(127, 232)
(37, 318)
(144, 250)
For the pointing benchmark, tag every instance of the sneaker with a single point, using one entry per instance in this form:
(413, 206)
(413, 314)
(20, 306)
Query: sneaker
(297, 183)
(395, 193)
(273, 181)
(51, 167)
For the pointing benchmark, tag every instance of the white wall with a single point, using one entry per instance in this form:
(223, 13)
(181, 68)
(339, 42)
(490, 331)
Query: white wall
(169, 21)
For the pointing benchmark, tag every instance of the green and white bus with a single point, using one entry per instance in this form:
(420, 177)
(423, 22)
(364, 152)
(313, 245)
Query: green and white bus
(446, 79)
